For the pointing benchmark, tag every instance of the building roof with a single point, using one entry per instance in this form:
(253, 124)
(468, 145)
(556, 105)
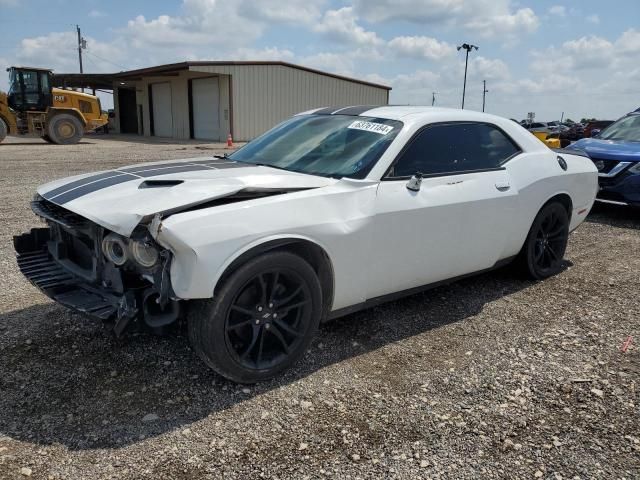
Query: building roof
(168, 69)
(82, 80)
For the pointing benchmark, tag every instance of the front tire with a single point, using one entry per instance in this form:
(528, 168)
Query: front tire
(261, 320)
(64, 129)
(542, 254)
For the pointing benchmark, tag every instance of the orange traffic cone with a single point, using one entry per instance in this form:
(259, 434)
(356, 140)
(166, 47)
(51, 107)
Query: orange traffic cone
(229, 141)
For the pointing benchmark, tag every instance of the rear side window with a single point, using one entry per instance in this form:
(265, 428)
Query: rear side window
(454, 148)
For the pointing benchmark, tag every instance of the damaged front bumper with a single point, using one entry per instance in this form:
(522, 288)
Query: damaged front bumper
(65, 262)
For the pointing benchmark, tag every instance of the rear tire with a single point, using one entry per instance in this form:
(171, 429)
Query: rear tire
(260, 321)
(4, 129)
(543, 251)
(47, 139)
(65, 129)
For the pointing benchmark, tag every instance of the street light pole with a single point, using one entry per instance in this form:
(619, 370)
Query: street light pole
(484, 92)
(468, 47)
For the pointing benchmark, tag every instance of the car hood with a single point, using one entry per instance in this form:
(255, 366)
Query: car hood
(120, 199)
(608, 149)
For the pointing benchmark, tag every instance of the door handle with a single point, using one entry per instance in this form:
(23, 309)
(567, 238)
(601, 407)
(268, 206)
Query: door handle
(503, 186)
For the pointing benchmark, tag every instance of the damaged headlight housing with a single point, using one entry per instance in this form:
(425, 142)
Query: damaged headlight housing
(115, 249)
(144, 253)
(119, 250)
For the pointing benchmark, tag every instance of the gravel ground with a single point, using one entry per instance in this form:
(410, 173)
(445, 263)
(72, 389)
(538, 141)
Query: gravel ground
(491, 376)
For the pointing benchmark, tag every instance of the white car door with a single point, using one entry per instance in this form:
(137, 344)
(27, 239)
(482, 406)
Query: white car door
(459, 220)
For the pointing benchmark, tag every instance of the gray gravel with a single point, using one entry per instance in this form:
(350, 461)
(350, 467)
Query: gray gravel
(491, 377)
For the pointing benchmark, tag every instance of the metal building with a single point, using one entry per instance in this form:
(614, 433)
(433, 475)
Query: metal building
(209, 100)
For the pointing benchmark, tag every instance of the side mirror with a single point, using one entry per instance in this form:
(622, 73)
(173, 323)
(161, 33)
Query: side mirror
(415, 182)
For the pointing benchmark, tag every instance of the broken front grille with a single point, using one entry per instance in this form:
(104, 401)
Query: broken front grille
(50, 211)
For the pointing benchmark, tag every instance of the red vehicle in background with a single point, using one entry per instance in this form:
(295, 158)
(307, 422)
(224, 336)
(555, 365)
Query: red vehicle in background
(595, 127)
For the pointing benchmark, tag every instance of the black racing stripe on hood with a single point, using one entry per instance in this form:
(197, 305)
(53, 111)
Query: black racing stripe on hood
(201, 164)
(92, 187)
(83, 181)
(156, 172)
(84, 186)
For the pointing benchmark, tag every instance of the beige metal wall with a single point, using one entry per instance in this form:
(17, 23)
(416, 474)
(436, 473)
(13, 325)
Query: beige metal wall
(264, 95)
(256, 97)
(180, 102)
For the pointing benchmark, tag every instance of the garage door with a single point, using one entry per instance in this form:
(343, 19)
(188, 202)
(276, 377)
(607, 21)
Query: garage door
(162, 114)
(205, 95)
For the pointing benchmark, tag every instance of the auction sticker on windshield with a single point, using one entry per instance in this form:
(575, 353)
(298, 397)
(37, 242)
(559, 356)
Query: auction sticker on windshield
(380, 128)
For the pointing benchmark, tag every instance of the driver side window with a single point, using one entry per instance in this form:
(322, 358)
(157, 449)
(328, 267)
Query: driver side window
(455, 148)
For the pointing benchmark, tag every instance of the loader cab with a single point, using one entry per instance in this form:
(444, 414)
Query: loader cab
(29, 89)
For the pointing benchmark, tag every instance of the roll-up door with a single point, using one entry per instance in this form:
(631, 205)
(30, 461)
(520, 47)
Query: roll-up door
(162, 114)
(205, 100)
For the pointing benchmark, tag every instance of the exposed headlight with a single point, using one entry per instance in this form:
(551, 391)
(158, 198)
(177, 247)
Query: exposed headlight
(143, 253)
(635, 168)
(115, 249)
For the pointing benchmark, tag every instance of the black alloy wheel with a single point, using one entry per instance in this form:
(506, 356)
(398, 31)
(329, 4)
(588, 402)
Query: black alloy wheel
(543, 252)
(265, 322)
(261, 320)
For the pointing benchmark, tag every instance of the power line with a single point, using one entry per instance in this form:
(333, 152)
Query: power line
(105, 60)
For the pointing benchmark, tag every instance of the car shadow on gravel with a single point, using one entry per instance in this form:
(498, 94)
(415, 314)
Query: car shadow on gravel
(615, 215)
(66, 380)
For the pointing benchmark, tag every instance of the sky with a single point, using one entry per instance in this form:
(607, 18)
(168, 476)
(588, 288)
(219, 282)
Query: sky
(577, 58)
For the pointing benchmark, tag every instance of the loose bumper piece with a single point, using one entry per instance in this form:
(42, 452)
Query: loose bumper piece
(60, 284)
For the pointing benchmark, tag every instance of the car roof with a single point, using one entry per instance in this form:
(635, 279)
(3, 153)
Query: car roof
(398, 112)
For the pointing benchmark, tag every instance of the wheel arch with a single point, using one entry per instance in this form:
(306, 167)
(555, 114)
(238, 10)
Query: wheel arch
(564, 198)
(309, 250)
(53, 111)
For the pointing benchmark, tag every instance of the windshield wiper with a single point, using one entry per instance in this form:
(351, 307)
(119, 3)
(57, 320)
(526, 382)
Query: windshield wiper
(224, 156)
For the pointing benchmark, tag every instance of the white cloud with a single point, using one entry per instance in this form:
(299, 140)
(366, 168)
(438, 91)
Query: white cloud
(488, 19)
(594, 18)
(420, 48)
(522, 21)
(274, 11)
(330, 62)
(37, 51)
(629, 43)
(558, 10)
(267, 53)
(341, 26)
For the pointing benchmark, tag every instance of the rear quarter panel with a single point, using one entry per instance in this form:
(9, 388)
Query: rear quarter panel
(538, 177)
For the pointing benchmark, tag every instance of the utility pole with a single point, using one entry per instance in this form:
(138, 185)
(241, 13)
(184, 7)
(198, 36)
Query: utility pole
(433, 98)
(82, 43)
(468, 47)
(484, 92)
(80, 40)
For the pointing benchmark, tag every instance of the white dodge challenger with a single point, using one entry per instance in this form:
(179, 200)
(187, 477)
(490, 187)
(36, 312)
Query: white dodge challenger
(331, 211)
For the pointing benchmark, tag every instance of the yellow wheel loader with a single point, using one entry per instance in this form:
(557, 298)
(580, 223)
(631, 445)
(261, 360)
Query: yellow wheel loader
(32, 107)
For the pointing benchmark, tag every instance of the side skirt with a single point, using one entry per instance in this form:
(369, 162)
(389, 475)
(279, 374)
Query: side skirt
(373, 302)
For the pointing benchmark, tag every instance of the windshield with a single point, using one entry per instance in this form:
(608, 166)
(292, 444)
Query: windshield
(627, 129)
(327, 145)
